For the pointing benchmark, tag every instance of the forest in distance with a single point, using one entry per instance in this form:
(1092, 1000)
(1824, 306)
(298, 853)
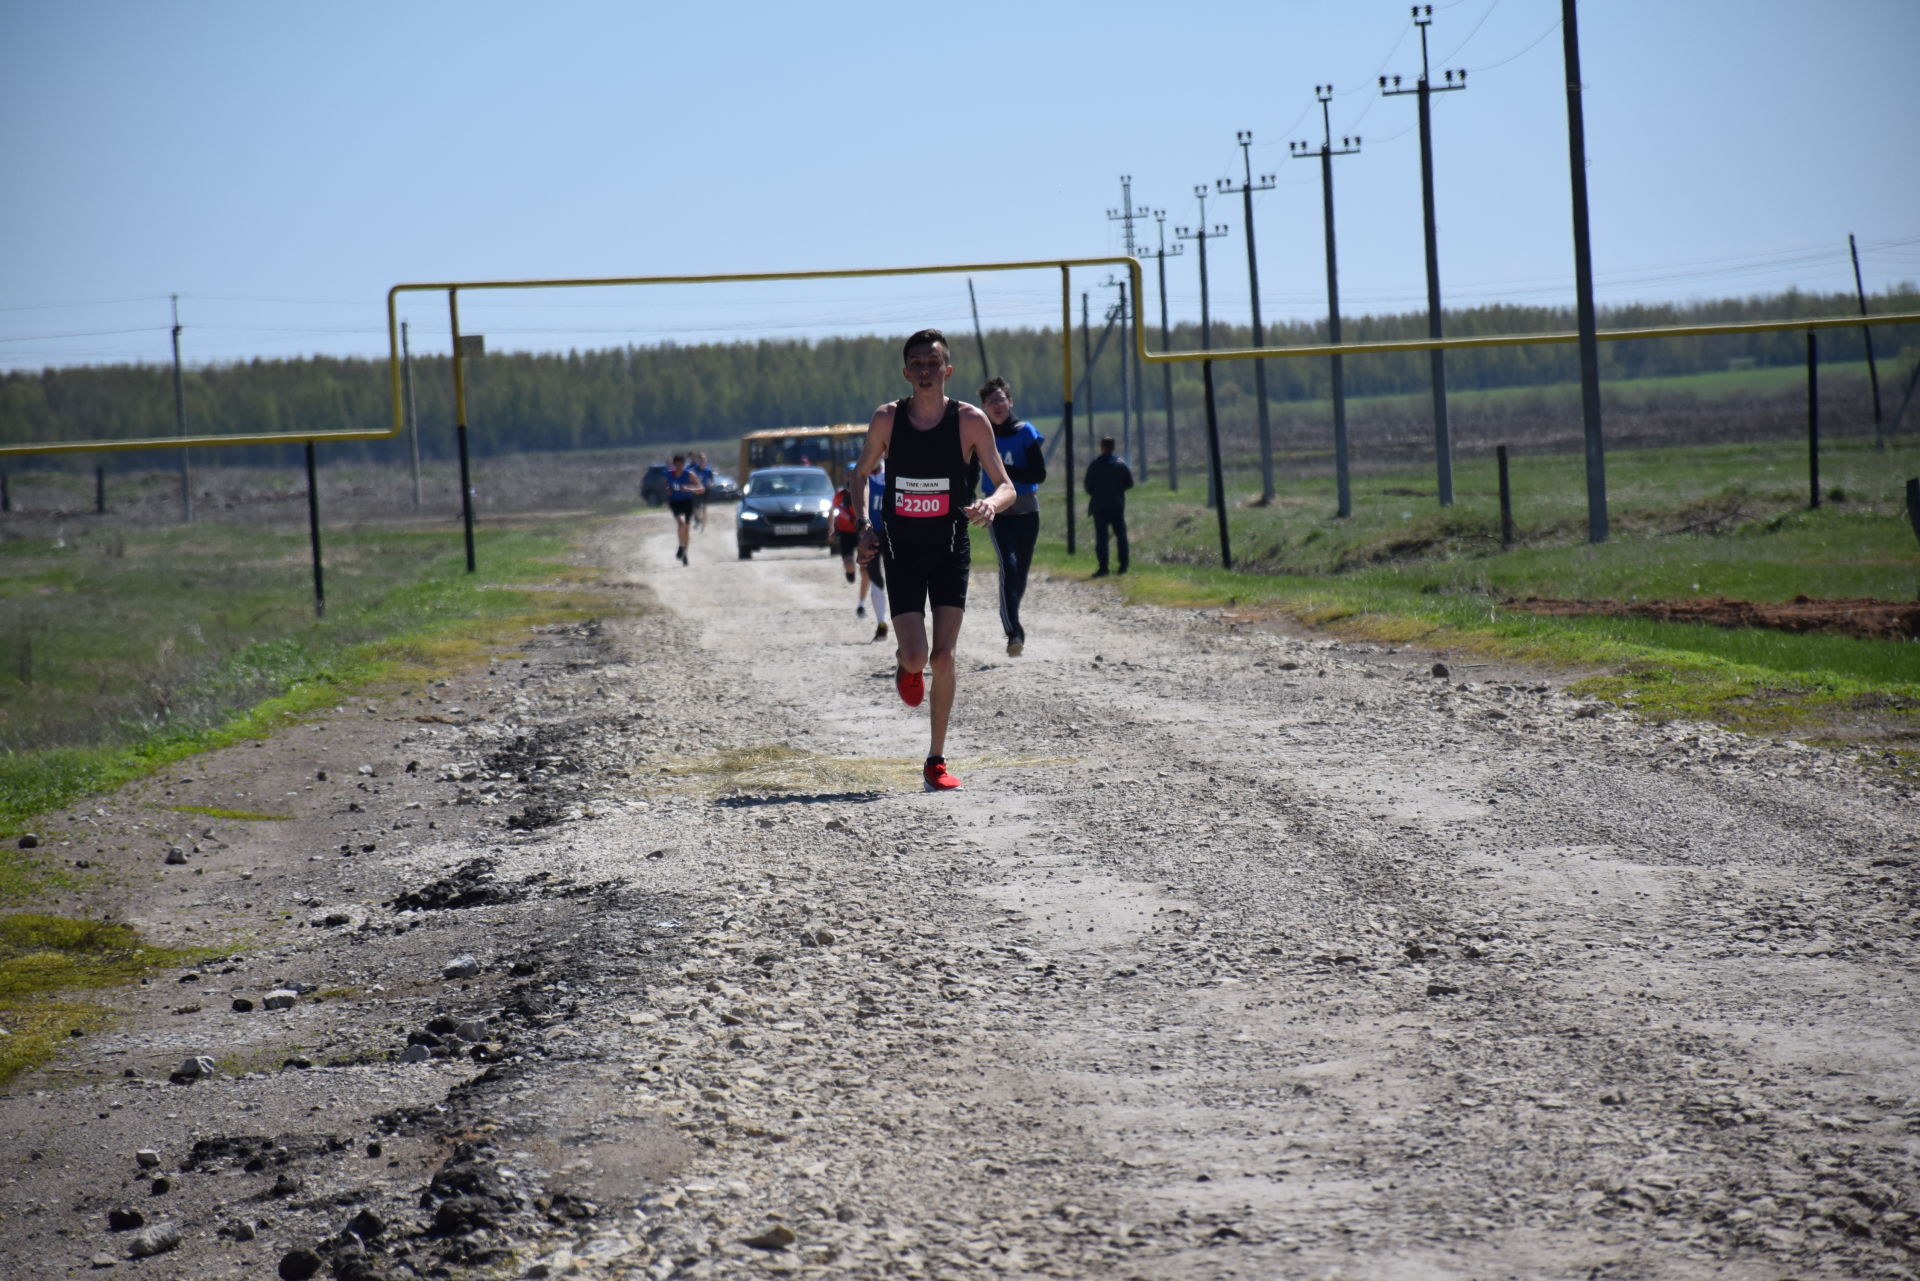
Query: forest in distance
(668, 393)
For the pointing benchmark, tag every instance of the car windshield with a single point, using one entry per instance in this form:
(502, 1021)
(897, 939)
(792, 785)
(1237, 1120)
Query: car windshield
(805, 484)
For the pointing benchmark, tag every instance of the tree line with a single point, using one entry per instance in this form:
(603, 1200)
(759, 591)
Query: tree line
(661, 395)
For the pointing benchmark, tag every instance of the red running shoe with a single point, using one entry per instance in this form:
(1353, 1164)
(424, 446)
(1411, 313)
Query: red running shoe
(934, 776)
(912, 686)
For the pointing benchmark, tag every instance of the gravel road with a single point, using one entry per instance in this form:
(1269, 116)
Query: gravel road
(1243, 954)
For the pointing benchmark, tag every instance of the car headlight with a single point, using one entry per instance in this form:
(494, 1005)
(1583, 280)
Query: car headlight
(826, 504)
(747, 513)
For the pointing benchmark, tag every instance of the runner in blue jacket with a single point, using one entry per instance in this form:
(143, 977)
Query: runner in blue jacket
(1022, 450)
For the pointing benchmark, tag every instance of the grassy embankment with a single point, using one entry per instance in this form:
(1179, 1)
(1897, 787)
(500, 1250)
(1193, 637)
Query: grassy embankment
(1684, 523)
(125, 651)
(45, 961)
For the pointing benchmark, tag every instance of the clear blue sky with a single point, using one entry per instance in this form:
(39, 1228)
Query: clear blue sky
(280, 166)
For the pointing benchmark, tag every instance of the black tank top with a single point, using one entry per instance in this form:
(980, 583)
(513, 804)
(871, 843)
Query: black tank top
(929, 485)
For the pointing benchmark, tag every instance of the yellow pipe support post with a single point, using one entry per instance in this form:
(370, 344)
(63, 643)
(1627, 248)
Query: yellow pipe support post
(460, 422)
(1066, 378)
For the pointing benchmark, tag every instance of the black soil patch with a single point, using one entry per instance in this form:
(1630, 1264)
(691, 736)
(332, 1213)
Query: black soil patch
(256, 1152)
(542, 749)
(469, 885)
(1867, 618)
(536, 815)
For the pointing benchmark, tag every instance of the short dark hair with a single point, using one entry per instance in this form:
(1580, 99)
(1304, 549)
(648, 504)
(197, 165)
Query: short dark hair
(993, 384)
(924, 338)
(679, 458)
(1106, 444)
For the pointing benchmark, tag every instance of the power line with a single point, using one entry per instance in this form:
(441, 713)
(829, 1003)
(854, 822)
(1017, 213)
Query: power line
(1526, 49)
(104, 302)
(1471, 34)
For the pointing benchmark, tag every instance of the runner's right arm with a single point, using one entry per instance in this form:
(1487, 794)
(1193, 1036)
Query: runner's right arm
(879, 433)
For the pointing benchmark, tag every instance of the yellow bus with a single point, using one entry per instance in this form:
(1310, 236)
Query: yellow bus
(832, 449)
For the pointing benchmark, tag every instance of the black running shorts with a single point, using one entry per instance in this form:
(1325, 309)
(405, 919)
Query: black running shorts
(848, 541)
(923, 572)
(681, 507)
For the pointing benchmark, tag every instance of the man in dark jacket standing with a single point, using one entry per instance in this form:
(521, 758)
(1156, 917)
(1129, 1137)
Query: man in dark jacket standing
(1108, 480)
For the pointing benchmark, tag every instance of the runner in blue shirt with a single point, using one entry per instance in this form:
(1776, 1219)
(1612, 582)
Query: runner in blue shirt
(683, 487)
(1014, 532)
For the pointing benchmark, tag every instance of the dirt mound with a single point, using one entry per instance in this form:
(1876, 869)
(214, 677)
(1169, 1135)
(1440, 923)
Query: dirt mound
(1874, 619)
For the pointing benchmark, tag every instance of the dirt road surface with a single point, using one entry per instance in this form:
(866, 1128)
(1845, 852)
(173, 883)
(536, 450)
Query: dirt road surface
(1242, 955)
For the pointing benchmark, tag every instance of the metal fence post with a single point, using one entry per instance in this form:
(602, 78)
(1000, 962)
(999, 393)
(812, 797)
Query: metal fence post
(1506, 499)
(1213, 457)
(1813, 421)
(313, 537)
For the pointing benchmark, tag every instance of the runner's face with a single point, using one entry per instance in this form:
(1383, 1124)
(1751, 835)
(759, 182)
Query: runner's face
(998, 406)
(927, 368)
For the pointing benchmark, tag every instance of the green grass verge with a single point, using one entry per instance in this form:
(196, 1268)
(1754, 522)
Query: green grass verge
(401, 607)
(1685, 523)
(44, 958)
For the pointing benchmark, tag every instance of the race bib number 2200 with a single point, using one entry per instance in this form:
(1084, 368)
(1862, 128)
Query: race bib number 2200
(922, 496)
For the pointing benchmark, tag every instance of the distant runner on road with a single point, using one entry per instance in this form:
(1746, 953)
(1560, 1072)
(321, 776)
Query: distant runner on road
(847, 524)
(931, 443)
(683, 487)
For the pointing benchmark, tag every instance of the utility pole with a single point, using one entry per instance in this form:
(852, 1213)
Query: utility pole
(180, 419)
(1125, 216)
(1120, 314)
(1166, 343)
(1437, 358)
(1216, 487)
(1327, 151)
(413, 412)
(1866, 333)
(1583, 280)
(1246, 190)
(986, 369)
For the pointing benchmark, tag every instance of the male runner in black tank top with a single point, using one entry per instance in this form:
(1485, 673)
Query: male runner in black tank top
(930, 444)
